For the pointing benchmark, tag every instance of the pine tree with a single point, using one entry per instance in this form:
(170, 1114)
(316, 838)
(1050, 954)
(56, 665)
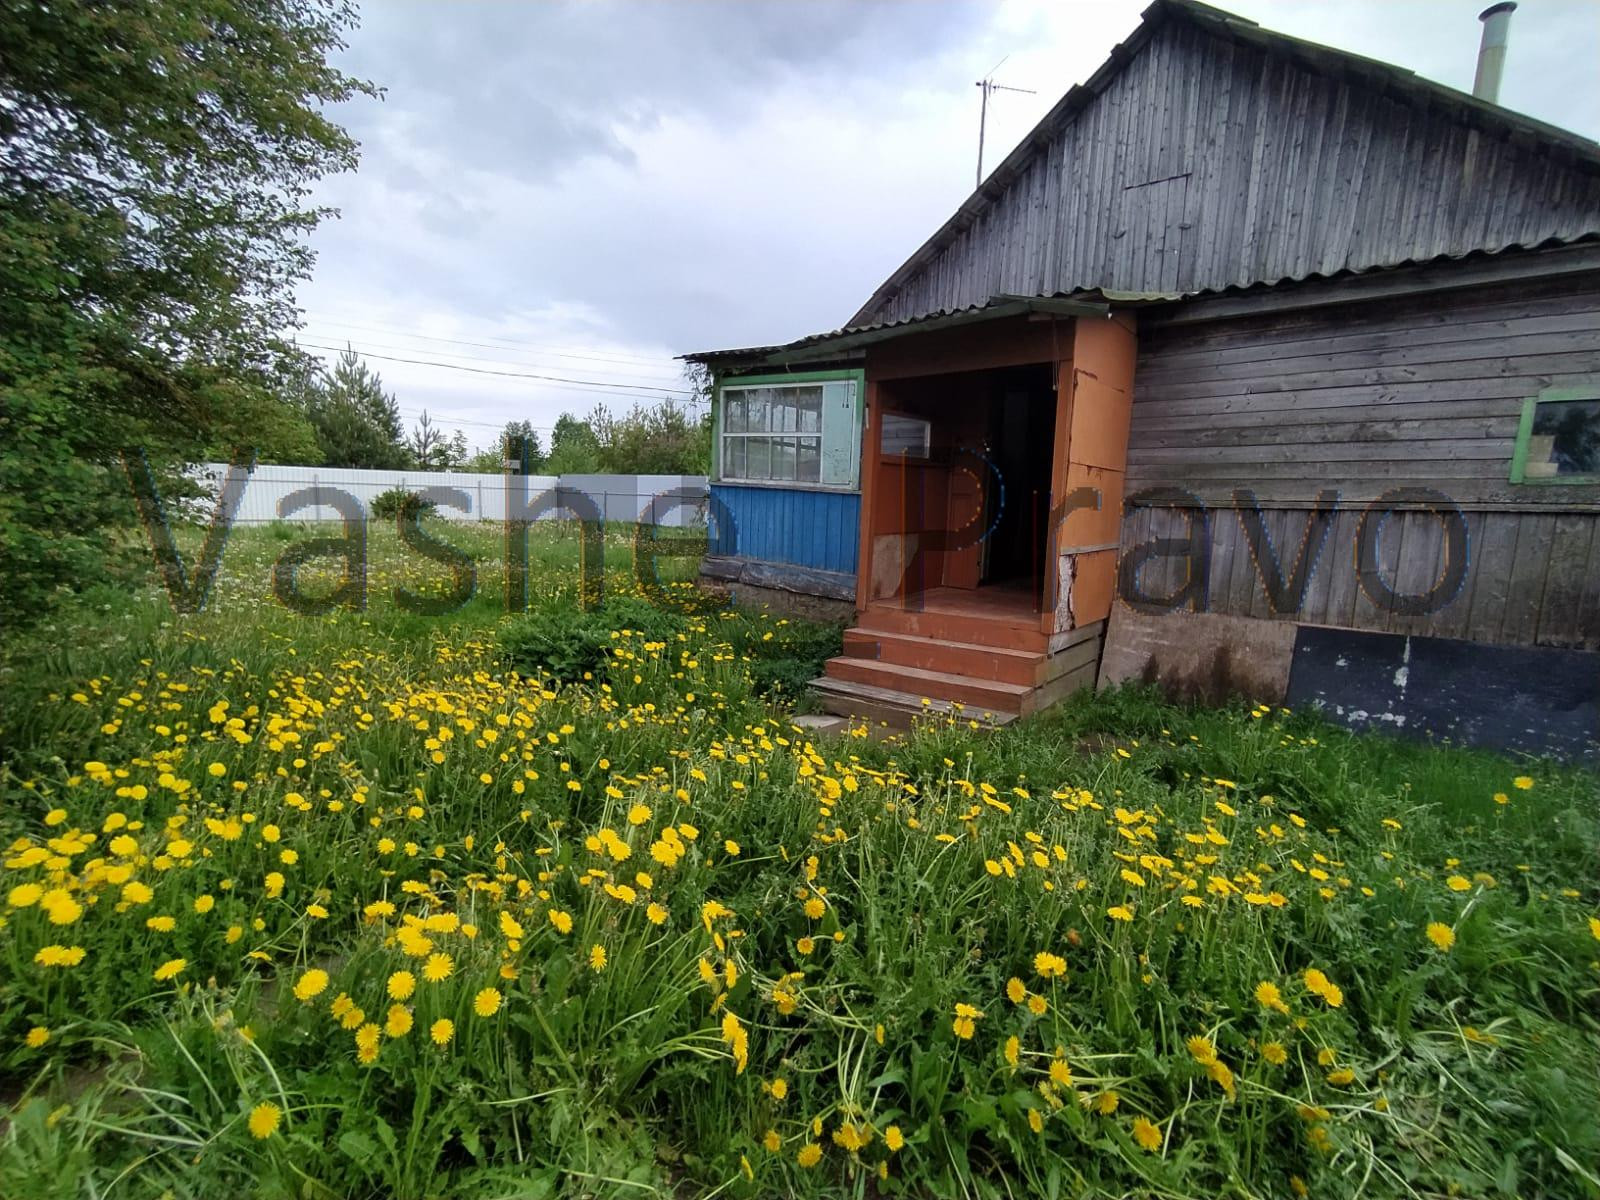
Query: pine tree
(357, 422)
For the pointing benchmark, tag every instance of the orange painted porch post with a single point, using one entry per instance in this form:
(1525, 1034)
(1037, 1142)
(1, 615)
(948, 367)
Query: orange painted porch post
(1094, 407)
(869, 488)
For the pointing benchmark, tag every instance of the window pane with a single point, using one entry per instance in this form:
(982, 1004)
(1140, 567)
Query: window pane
(733, 412)
(783, 458)
(733, 460)
(758, 458)
(756, 406)
(808, 467)
(1565, 439)
(811, 411)
(905, 435)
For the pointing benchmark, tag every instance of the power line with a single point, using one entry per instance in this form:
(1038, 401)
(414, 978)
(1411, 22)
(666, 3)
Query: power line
(487, 345)
(584, 383)
(471, 357)
(448, 420)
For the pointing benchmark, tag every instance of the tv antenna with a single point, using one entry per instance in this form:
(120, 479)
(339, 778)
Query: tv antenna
(988, 85)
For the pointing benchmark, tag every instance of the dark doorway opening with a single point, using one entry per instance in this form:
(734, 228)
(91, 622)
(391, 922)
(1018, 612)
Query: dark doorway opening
(1021, 445)
(961, 505)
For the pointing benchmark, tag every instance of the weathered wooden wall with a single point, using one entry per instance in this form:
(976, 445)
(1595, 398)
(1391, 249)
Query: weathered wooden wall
(1358, 400)
(1213, 158)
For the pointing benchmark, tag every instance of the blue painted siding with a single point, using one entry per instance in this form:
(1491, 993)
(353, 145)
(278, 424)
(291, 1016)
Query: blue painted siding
(787, 525)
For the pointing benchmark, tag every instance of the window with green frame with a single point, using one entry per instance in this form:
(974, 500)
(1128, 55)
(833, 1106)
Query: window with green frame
(1559, 438)
(798, 430)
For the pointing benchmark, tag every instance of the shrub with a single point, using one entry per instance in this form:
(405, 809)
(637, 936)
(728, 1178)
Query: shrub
(784, 665)
(398, 502)
(566, 644)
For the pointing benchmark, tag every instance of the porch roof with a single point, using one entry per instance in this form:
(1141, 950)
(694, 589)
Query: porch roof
(841, 342)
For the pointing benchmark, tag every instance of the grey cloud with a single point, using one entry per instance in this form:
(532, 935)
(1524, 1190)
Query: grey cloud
(531, 88)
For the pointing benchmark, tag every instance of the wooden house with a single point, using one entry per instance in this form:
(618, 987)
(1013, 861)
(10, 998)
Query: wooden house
(1257, 367)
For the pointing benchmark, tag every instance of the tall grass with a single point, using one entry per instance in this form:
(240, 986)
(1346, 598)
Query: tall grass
(682, 950)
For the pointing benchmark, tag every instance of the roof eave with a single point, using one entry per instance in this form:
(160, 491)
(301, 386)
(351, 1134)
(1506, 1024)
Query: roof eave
(849, 341)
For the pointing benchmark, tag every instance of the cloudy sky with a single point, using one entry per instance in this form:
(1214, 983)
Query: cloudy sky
(583, 190)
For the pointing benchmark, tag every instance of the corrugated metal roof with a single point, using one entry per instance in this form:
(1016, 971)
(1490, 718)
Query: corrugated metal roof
(852, 338)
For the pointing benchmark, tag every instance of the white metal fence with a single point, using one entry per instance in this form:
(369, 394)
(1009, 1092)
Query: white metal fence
(310, 494)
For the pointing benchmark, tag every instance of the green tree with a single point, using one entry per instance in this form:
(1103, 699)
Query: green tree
(357, 422)
(432, 449)
(155, 160)
(491, 460)
(574, 447)
(663, 439)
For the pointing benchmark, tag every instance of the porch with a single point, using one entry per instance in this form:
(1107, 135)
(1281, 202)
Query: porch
(992, 464)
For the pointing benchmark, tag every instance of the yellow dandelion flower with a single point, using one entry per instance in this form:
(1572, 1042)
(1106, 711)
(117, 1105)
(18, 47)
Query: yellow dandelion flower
(779, 1089)
(815, 908)
(36, 1037)
(438, 968)
(1268, 996)
(810, 1155)
(312, 984)
(1016, 991)
(510, 926)
(561, 920)
(597, 957)
(1274, 1053)
(1013, 1049)
(893, 1138)
(772, 1142)
(1120, 912)
(487, 1002)
(264, 1120)
(1106, 1103)
(1522, 782)
(170, 969)
(1202, 1049)
(1035, 1120)
(1037, 1005)
(1060, 1073)
(1049, 966)
(1594, 928)
(59, 956)
(441, 1031)
(639, 814)
(401, 984)
(1147, 1133)
(657, 914)
(1441, 935)
(399, 1021)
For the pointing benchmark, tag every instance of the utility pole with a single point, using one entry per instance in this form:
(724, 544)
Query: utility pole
(988, 85)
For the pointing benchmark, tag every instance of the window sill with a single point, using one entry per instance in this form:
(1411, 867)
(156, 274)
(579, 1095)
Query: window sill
(784, 485)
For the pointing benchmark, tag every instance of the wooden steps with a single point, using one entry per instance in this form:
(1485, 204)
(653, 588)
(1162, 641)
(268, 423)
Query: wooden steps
(869, 703)
(893, 673)
(1005, 632)
(998, 663)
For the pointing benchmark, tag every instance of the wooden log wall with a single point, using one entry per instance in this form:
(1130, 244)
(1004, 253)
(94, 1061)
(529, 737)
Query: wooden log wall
(1358, 400)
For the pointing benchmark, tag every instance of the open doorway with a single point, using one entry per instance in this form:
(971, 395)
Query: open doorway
(961, 502)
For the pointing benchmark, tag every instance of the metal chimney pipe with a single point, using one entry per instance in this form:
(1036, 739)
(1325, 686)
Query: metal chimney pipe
(1492, 51)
